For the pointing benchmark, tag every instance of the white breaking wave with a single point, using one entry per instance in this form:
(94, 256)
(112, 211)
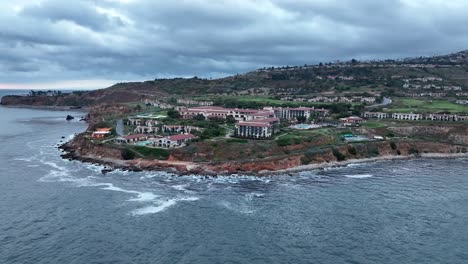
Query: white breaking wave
(61, 174)
(359, 176)
(144, 197)
(93, 167)
(251, 196)
(183, 188)
(354, 165)
(161, 206)
(180, 187)
(26, 159)
(141, 196)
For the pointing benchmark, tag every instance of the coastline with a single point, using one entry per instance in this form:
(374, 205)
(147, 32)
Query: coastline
(205, 169)
(337, 164)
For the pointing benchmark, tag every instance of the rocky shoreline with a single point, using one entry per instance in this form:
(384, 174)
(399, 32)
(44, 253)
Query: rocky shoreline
(207, 169)
(370, 160)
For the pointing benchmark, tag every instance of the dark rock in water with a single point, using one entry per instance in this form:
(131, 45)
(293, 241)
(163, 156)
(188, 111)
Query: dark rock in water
(63, 137)
(69, 117)
(106, 170)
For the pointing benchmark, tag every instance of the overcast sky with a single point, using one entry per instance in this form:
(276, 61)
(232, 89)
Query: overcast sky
(94, 43)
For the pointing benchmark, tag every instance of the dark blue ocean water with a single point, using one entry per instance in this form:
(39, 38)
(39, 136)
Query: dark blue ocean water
(59, 211)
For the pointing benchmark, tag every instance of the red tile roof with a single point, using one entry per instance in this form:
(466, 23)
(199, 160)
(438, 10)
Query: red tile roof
(181, 137)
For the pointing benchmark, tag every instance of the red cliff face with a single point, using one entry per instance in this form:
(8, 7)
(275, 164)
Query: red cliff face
(449, 141)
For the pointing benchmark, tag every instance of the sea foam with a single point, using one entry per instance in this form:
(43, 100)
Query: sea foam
(359, 176)
(160, 206)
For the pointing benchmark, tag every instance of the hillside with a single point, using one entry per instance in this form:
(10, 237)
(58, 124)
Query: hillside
(376, 77)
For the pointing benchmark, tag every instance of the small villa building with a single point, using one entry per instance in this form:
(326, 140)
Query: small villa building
(132, 138)
(378, 115)
(407, 116)
(177, 129)
(351, 121)
(174, 141)
(101, 132)
(146, 129)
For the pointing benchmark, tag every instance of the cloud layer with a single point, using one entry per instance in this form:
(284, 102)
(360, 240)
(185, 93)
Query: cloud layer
(99, 40)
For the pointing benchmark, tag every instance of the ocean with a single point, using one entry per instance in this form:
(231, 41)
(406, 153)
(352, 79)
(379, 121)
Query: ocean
(59, 211)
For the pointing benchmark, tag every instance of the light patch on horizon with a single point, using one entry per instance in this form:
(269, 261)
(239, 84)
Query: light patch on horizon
(73, 84)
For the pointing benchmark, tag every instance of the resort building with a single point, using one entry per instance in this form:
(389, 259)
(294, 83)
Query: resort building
(416, 117)
(259, 128)
(351, 121)
(101, 132)
(407, 116)
(133, 121)
(446, 117)
(132, 138)
(174, 141)
(146, 129)
(206, 111)
(193, 102)
(293, 113)
(379, 115)
(223, 113)
(177, 129)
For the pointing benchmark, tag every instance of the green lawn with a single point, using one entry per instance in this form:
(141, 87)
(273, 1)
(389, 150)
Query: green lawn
(374, 124)
(423, 105)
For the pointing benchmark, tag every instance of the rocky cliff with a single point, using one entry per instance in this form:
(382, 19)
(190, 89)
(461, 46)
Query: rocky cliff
(83, 149)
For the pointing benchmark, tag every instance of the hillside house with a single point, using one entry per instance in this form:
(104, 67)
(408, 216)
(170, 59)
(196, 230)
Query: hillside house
(378, 115)
(174, 141)
(101, 132)
(146, 129)
(407, 116)
(132, 138)
(351, 121)
(177, 129)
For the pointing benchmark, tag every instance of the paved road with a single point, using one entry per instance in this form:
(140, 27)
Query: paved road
(119, 127)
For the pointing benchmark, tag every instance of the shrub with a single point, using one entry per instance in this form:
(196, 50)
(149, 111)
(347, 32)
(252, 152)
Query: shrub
(305, 160)
(297, 140)
(338, 155)
(153, 152)
(352, 150)
(413, 151)
(127, 154)
(284, 141)
(173, 114)
(374, 151)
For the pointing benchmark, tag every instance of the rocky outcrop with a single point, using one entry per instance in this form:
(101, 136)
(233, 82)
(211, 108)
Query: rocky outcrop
(75, 99)
(85, 150)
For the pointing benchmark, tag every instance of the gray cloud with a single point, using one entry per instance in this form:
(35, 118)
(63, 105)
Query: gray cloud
(116, 40)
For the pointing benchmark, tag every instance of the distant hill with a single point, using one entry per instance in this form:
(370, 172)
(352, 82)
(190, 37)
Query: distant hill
(329, 78)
